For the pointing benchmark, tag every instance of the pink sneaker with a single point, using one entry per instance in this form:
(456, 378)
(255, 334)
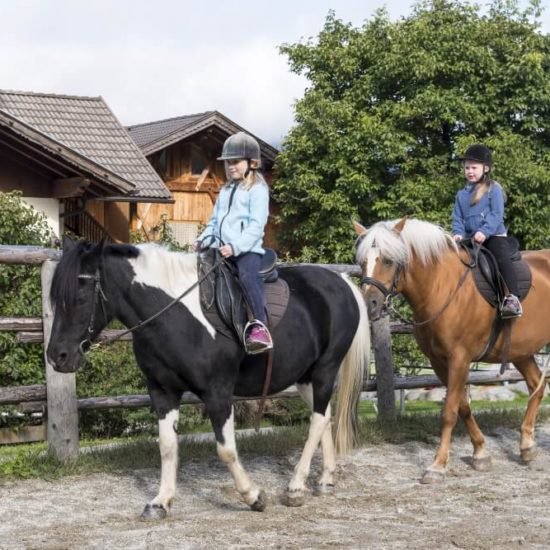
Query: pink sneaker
(258, 340)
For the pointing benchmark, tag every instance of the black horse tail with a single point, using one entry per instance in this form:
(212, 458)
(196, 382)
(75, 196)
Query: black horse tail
(350, 384)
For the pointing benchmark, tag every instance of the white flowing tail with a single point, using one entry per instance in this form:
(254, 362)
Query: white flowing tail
(352, 371)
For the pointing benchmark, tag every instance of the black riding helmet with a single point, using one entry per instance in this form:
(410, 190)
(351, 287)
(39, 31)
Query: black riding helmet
(478, 153)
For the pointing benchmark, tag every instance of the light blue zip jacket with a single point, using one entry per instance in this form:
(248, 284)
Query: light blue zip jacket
(241, 223)
(486, 216)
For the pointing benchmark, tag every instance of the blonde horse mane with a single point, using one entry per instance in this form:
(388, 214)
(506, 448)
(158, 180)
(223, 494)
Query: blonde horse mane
(428, 242)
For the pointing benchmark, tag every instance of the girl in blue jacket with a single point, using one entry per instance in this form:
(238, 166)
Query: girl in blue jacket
(478, 214)
(237, 228)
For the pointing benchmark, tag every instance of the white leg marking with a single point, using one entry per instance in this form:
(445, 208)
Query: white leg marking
(329, 454)
(228, 454)
(327, 443)
(168, 443)
(317, 427)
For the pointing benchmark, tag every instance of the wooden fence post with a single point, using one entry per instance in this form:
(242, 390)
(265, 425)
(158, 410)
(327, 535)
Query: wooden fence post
(385, 388)
(60, 387)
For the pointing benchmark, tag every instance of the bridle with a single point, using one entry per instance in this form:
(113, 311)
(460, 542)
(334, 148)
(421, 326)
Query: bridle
(390, 293)
(99, 294)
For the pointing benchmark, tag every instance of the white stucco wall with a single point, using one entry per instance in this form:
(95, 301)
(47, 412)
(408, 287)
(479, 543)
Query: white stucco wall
(50, 207)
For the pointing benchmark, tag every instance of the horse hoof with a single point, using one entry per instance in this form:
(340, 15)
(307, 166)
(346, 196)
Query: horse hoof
(528, 455)
(432, 477)
(482, 464)
(260, 503)
(324, 489)
(153, 512)
(295, 498)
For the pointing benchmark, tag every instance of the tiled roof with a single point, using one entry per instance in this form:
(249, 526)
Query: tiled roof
(154, 136)
(144, 134)
(87, 126)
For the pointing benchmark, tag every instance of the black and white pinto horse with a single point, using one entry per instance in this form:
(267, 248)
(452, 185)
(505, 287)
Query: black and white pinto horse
(323, 333)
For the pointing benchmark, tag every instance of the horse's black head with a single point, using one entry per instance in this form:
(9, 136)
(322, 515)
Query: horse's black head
(78, 311)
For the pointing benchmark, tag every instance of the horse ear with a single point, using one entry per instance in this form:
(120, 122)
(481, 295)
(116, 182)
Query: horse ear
(68, 243)
(359, 229)
(400, 225)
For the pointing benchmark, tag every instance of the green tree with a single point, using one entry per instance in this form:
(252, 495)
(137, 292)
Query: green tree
(20, 289)
(391, 105)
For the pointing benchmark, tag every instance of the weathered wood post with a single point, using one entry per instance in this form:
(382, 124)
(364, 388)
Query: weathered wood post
(385, 386)
(60, 387)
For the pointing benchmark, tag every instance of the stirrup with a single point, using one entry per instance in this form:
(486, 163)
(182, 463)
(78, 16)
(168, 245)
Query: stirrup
(250, 325)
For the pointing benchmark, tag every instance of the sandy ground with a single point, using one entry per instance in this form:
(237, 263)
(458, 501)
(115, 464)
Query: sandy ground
(378, 503)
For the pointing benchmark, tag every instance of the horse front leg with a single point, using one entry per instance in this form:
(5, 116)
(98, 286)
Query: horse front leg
(456, 385)
(531, 373)
(168, 444)
(221, 416)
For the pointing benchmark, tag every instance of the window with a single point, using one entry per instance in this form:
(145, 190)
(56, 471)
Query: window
(198, 161)
(184, 233)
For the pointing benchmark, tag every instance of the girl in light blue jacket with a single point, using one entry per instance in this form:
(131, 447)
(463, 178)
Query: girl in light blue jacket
(478, 214)
(237, 228)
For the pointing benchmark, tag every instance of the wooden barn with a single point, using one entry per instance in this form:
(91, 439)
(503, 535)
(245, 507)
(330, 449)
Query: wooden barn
(183, 151)
(73, 160)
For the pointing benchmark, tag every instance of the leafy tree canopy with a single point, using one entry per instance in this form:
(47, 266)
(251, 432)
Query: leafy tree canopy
(390, 107)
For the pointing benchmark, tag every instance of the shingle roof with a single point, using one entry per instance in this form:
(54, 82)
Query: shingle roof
(87, 126)
(154, 136)
(144, 134)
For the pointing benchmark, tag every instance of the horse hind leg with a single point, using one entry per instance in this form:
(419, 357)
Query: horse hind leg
(531, 373)
(224, 428)
(168, 444)
(318, 429)
(325, 485)
(481, 459)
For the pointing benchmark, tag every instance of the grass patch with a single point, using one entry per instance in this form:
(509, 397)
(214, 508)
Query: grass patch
(421, 422)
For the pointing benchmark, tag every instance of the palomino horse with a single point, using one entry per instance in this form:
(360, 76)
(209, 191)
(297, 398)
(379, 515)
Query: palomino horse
(324, 332)
(453, 322)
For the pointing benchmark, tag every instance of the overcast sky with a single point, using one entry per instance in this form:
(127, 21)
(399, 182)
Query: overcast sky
(155, 59)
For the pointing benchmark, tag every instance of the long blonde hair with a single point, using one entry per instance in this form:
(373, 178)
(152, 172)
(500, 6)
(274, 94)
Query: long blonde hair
(481, 188)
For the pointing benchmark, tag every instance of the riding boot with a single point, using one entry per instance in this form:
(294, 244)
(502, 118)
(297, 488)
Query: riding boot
(257, 338)
(511, 307)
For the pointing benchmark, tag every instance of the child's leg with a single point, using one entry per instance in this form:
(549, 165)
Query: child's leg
(501, 251)
(248, 266)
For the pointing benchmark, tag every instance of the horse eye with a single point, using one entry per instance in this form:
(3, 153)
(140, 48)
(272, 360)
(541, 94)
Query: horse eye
(387, 262)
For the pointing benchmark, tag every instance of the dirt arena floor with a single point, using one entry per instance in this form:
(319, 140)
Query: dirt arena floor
(378, 503)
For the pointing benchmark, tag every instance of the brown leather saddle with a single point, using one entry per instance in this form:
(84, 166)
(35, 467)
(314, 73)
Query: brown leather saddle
(487, 277)
(222, 299)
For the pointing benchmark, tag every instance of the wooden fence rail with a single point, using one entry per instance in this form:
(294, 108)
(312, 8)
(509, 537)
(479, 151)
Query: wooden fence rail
(58, 396)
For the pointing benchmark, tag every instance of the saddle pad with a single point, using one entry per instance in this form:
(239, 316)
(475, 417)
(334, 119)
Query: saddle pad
(523, 273)
(276, 296)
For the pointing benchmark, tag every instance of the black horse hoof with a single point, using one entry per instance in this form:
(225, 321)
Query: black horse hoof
(153, 512)
(260, 503)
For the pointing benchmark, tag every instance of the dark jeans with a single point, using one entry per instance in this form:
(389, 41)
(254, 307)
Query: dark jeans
(248, 266)
(502, 251)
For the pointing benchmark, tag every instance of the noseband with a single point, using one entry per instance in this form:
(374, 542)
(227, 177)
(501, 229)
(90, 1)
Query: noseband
(388, 293)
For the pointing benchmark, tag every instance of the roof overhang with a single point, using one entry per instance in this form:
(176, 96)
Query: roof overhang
(15, 133)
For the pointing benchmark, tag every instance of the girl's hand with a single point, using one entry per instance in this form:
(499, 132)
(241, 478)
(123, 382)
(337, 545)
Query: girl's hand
(479, 237)
(226, 250)
(195, 246)
(457, 238)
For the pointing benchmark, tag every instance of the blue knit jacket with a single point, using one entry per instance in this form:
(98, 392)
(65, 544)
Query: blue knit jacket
(486, 216)
(239, 220)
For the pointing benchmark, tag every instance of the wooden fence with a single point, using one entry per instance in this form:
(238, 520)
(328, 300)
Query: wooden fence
(58, 399)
